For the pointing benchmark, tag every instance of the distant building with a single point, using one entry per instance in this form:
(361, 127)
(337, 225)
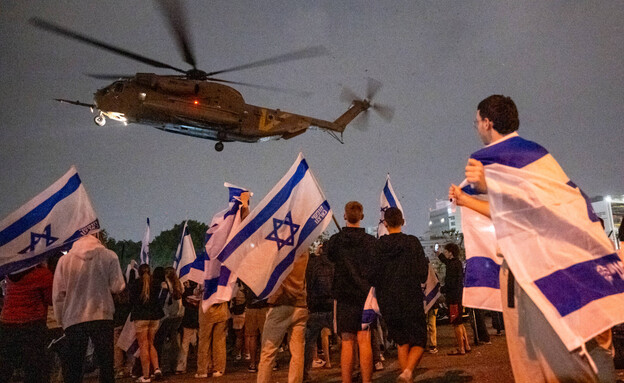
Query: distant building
(443, 219)
(611, 210)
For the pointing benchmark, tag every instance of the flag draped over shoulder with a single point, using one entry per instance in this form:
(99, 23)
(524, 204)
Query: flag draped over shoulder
(371, 309)
(145, 255)
(552, 240)
(218, 280)
(387, 199)
(481, 284)
(431, 289)
(52, 220)
(185, 255)
(289, 218)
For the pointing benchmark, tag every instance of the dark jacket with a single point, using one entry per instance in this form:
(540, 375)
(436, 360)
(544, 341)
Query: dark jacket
(319, 279)
(454, 279)
(400, 269)
(150, 310)
(352, 252)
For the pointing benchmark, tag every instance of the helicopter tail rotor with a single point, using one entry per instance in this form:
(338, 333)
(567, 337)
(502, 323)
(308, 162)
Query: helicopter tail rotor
(373, 86)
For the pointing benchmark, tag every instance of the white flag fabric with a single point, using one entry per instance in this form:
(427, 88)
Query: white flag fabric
(371, 309)
(145, 255)
(553, 241)
(431, 289)
(54, 219)
(291, 216)
(185, 255)
(218, 280)
(387, 199)
(481, 284)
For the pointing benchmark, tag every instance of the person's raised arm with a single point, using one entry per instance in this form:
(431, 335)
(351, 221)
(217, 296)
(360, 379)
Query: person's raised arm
(465, 200)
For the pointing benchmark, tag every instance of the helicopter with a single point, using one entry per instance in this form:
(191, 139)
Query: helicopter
(197, 104)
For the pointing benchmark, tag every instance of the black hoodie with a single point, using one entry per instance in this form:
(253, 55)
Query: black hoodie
(352, 252)
(400, 269)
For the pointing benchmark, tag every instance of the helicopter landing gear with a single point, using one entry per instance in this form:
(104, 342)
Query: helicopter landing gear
(219, 146)
(99, 120)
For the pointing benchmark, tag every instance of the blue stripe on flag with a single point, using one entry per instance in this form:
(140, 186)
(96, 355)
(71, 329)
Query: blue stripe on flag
(368, 316)
(590, 209)
(312, 223)
(482, 272)
(515, 152)
(37, 214)
(432, 294)
(389, 196)
(210, 287)
(267, 213)
(567, 289)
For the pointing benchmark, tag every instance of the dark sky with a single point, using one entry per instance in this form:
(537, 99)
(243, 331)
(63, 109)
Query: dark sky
(561, 61)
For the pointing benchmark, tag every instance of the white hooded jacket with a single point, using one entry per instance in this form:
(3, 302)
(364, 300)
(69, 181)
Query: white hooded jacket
(84, 281)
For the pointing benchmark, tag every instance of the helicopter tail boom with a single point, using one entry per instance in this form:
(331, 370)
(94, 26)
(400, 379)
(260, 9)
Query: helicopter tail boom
(339, 125)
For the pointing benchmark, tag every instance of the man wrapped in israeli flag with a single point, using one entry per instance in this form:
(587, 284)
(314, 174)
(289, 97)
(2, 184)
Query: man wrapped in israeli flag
(54, 219)
(569, 287)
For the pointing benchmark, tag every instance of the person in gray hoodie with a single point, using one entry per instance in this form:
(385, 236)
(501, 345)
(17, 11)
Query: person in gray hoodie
(84, 281)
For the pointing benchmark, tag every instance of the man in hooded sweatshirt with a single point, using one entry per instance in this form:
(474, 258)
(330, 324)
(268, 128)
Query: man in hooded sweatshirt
(84, 281)
(400, 269)
(352, 252)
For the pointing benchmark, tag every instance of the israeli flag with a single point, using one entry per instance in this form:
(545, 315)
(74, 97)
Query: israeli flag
(481, 284)
(185, 255)
(219, 281)
(387, 199)
(145, 255)
(52, 220)
(553, 241)
(431, 289)
(292, 215)
(371, 309)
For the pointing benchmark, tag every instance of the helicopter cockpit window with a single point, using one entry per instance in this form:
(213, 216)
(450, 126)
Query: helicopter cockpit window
(118, 87)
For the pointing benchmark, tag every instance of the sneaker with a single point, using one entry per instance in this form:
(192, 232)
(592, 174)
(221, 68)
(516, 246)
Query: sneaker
(405, 377)
(158, 374)
(318, 363)
(379, 366)
(247, 356)
(201, 376)
(217, 374)
(239, 356)
(433, 350)
(143, 380)
(252, 368)
(275, 366)
(381, 357)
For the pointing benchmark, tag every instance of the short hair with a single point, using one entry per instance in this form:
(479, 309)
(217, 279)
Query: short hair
(354, 211)
(393, 217)
(453, 249)
(501, 111)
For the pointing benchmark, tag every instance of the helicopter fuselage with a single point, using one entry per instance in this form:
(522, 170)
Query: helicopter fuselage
(197, 108)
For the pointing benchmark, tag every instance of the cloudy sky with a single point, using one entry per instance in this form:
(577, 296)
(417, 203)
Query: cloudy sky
(561, 61)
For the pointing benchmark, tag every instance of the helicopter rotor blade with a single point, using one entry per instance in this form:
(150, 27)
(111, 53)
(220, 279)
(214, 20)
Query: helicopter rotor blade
(361, 122)
(305, 53)
(101, 76)
(271, 88)
(347, 95)
(372, 87)
(385, 111)
(173, 11)
(50, 27)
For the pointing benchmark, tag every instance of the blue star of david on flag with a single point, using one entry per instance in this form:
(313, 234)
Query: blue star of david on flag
(277, 225)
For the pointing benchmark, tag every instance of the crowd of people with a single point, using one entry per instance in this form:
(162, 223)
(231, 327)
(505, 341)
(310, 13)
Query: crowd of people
(324, 293)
